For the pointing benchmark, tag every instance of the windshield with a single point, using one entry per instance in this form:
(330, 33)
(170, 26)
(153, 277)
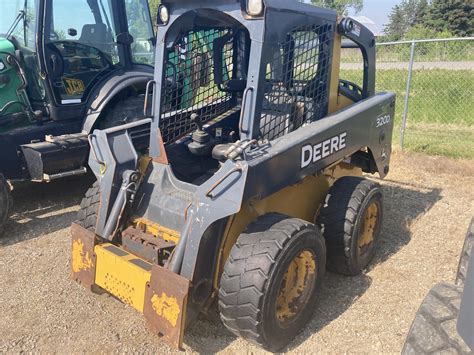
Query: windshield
(10, 10)
(19, 17)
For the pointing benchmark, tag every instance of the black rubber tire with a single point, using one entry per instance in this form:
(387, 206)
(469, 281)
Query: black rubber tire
(6, 201)
(126, 111)
(87, 215)
(340, 221)
(465, 255)
(253, 274)
(434, 327)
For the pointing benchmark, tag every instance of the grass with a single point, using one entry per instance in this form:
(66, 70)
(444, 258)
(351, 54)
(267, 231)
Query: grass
(425, 52)
(441, 109)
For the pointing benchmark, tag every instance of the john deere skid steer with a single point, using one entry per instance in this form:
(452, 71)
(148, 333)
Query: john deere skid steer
(253, 184)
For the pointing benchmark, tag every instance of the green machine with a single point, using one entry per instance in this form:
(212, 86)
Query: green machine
(14, 100)
(62, 76)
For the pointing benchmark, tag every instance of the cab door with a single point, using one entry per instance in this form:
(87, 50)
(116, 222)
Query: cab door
(80, 46)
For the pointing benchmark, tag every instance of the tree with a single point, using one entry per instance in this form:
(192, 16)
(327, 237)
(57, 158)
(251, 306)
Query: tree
(455, 16)
(403, 17)
(397, 26)
(341, 6)
(154, 8)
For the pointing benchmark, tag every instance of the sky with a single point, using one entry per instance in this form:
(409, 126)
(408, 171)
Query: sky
(378, 10)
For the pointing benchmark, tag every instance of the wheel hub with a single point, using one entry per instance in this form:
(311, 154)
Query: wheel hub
(367, 230)
(296, 287)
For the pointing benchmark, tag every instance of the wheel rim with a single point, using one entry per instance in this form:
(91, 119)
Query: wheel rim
(296, 287)
(368, 228)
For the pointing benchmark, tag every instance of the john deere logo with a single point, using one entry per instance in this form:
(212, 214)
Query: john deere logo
(314, 153)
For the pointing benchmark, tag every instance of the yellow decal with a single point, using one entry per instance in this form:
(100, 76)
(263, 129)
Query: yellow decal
(74, 86)
(166, 307)
(80, 260)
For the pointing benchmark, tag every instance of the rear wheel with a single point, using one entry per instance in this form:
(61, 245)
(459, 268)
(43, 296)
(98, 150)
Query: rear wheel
(5, 201)
(87, 215)
(271, 280)
(351, 219)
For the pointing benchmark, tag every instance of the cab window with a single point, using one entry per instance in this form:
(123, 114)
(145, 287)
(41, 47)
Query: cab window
(139, 26)
(80, 46)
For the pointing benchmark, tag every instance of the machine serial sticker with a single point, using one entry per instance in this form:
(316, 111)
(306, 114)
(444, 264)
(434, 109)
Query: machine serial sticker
(314, 153)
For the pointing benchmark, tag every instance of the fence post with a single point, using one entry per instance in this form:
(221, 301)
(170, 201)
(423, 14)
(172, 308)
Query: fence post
(407, 94)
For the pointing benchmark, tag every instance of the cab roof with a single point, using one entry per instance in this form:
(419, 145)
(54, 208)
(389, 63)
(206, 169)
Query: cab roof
(272, 5)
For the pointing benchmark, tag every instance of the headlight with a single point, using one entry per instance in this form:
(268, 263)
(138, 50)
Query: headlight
(254, 7)
(163, 14)
(2, 65)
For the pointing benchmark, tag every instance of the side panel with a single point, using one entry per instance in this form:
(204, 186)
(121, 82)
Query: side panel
(309, 150)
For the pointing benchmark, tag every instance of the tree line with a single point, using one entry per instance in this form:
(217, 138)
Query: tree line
(413, 19)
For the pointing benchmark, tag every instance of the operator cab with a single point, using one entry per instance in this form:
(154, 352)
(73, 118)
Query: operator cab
(230, 73)
(205, 74)
(69, 46)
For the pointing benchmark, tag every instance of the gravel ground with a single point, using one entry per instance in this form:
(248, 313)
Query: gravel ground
(429, 203)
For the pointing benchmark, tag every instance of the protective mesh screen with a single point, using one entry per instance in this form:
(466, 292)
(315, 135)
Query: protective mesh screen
(297, 81)
(189, 85)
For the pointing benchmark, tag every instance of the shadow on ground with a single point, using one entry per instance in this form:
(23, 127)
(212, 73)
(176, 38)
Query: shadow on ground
(402, 205)
(40, 209)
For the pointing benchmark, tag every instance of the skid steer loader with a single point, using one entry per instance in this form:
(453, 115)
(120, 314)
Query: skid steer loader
(253, 184)
(66, 68)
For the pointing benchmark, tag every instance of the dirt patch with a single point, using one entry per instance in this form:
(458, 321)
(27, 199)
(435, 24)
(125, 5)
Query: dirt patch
(428, 206)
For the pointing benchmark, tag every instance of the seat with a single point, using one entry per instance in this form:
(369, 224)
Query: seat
(277, 112)
(94, 35)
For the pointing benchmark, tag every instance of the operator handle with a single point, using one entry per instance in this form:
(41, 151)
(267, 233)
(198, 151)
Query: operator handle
(195, 119)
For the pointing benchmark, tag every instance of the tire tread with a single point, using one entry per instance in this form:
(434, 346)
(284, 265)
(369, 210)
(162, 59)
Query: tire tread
(432, 330)
(338, 217)
(247, 271)
(87, 215)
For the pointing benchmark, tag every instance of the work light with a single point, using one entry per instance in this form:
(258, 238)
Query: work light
(254, 7)
(163, 14)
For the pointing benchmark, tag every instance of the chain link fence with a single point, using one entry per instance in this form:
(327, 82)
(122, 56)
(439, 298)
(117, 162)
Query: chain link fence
(434, 83)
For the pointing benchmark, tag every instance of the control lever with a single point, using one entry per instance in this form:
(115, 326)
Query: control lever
(202, 143)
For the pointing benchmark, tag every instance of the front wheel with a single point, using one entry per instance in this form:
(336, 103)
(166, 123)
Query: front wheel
(5, 201)
(271, 280)
(87, 215)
